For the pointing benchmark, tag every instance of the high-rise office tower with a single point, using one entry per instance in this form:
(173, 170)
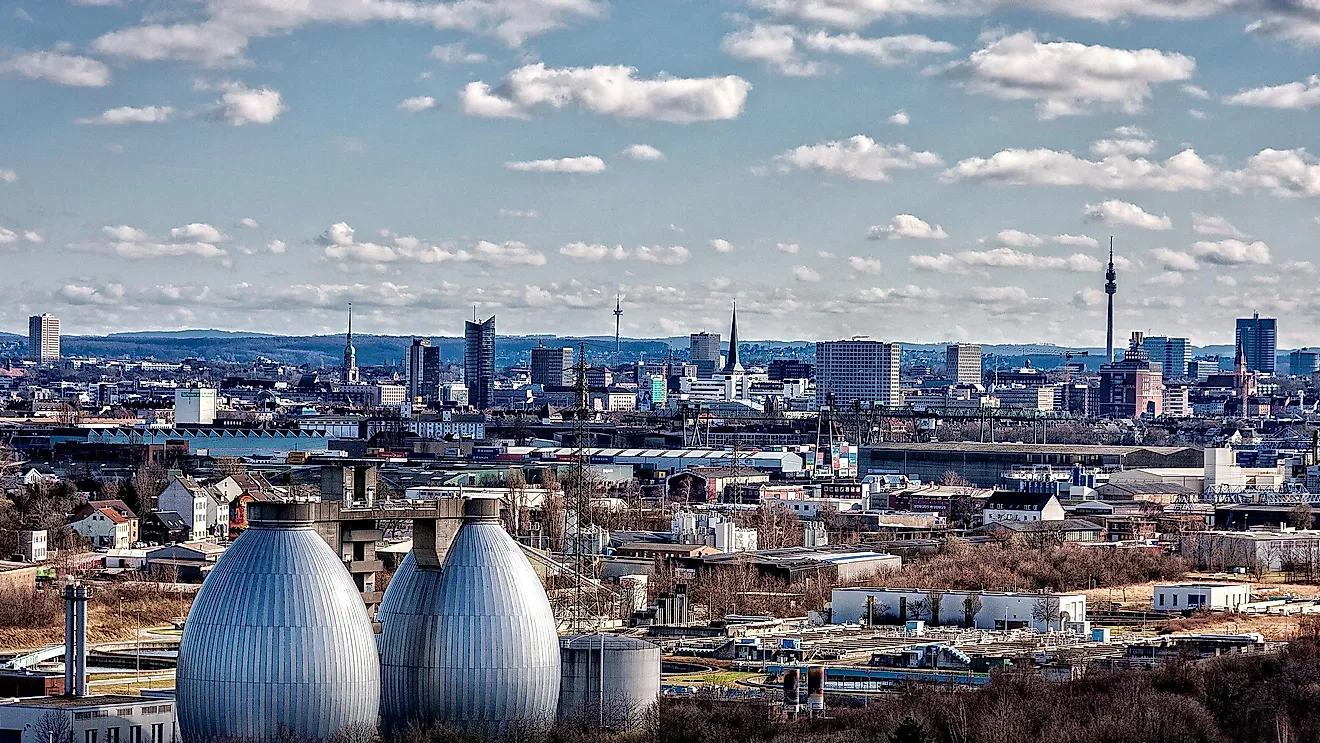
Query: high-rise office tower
(1303, 362)
(1258, 337)
(417, 368)
(44, 338)
(1169, 353)
(860, 371)
(962, 363)
(552, 367)
(349, 373)
(479, 362)
(704, 352)
(431, 374)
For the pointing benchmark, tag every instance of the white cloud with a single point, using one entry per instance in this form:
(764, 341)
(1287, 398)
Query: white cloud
(806, 274)
(889, 50)
(455, 54)
(676, 255)
(1214, 225)
(1018, 239)
(871, 266)
(340, 246)
(1123, 146)
(775, 45)
(193, 240)
(8, 175)
(897, 295)
(1195, 91)
(223, 36)
(131, 115)
(584, 165)
(1196, 113)
(593, 252)
(906, 225)
(1168, 278)
(609, 90)
(1067, 78)
(58, 68)
(790, 248)
(1294, 267)
(417, 104)
(240, 105)
(1175, 260)
(720, 245)
(277, 246)
(858, 157)
(999, 295)
(1125, 214)
(518, 213)
(1232, 252)
(510, 253)
(249, 223)
(1087, 298)
(900, 118)
(34, 237)
(1185, 171)
(644, 152)
(1296, 95)
(198, 232)
(8, 236)
(1004, 258)
(1081, 241)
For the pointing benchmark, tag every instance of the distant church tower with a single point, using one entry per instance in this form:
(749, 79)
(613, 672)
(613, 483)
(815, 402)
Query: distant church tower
(349, 374)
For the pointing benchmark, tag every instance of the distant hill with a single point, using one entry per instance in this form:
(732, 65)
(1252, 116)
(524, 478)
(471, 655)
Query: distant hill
(189, 334)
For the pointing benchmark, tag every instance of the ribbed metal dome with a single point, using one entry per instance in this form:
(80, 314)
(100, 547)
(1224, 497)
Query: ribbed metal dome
(278, 643)
(480, 651)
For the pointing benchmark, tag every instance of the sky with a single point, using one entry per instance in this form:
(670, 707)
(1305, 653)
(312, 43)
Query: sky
(911, 170)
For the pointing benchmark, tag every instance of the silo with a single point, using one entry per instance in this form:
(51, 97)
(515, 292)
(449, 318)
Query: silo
(409, 624)
(277, 643)
(480, 649)
(608, 678)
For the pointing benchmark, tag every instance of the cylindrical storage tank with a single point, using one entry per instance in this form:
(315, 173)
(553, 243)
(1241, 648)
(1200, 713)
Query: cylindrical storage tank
(618, 690)
(792, 690)
(482, 651)
(816, 690)
(278, 644)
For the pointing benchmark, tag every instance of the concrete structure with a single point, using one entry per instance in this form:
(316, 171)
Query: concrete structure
(1111, 288)
(237, 442)
(1182, 596)
(1177, 402)
(277, 639)
(858, 371)
(1016, 506)
(552, 367)
(194, 406)
(609, 679)
(1258, 338)
(1042, 612)
(962, 363)
(1170, 353)
(1252, 550)
(1303, 362)
(479, 362)
(44, 338)
(1133, 387)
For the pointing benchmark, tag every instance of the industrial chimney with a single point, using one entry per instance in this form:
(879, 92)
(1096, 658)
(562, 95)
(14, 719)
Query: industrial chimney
(75, 639)
(792, 692)
(816, 691)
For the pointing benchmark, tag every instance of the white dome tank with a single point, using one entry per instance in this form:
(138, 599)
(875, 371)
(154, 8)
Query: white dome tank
(277, 644)
(478, 650)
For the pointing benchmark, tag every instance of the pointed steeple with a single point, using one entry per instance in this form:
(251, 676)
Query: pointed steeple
(349, 373)
(732, 365)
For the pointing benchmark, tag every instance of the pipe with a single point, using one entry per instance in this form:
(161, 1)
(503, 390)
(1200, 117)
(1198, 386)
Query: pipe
(70, 645)
(792, 691)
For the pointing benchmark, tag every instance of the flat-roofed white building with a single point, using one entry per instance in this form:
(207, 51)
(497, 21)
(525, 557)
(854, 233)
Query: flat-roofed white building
(1042, 612)
(1182, 596)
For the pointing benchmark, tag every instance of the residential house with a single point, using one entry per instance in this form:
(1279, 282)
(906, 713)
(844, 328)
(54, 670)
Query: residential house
(166, 527)
(1015, 506)
(238, 491)
(120, 507)
(203, 505)
(104, 527)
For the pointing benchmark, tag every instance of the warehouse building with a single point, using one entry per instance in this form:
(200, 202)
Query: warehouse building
(986, 464)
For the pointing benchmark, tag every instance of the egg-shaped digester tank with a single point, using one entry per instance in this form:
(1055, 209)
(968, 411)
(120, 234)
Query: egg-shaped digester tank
(481, 653)
(278, 644)
(409, 628)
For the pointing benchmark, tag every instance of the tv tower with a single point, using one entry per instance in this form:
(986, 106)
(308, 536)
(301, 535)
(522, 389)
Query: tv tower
(1111, 287)
(618, 315)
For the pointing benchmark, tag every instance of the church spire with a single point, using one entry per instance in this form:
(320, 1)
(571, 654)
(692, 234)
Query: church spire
(349, 373)
(732, 365)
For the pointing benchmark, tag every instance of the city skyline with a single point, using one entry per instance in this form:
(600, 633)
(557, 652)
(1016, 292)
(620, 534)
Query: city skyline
(835, 167)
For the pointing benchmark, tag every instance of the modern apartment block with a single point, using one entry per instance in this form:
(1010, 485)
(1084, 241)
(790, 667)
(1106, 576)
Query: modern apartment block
(962, 362)
(858, 371)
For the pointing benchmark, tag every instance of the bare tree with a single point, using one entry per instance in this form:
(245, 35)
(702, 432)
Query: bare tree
(1301, 516)
(53, 726)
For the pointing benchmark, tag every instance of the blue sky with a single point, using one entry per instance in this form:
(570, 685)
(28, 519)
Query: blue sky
(918, 170)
